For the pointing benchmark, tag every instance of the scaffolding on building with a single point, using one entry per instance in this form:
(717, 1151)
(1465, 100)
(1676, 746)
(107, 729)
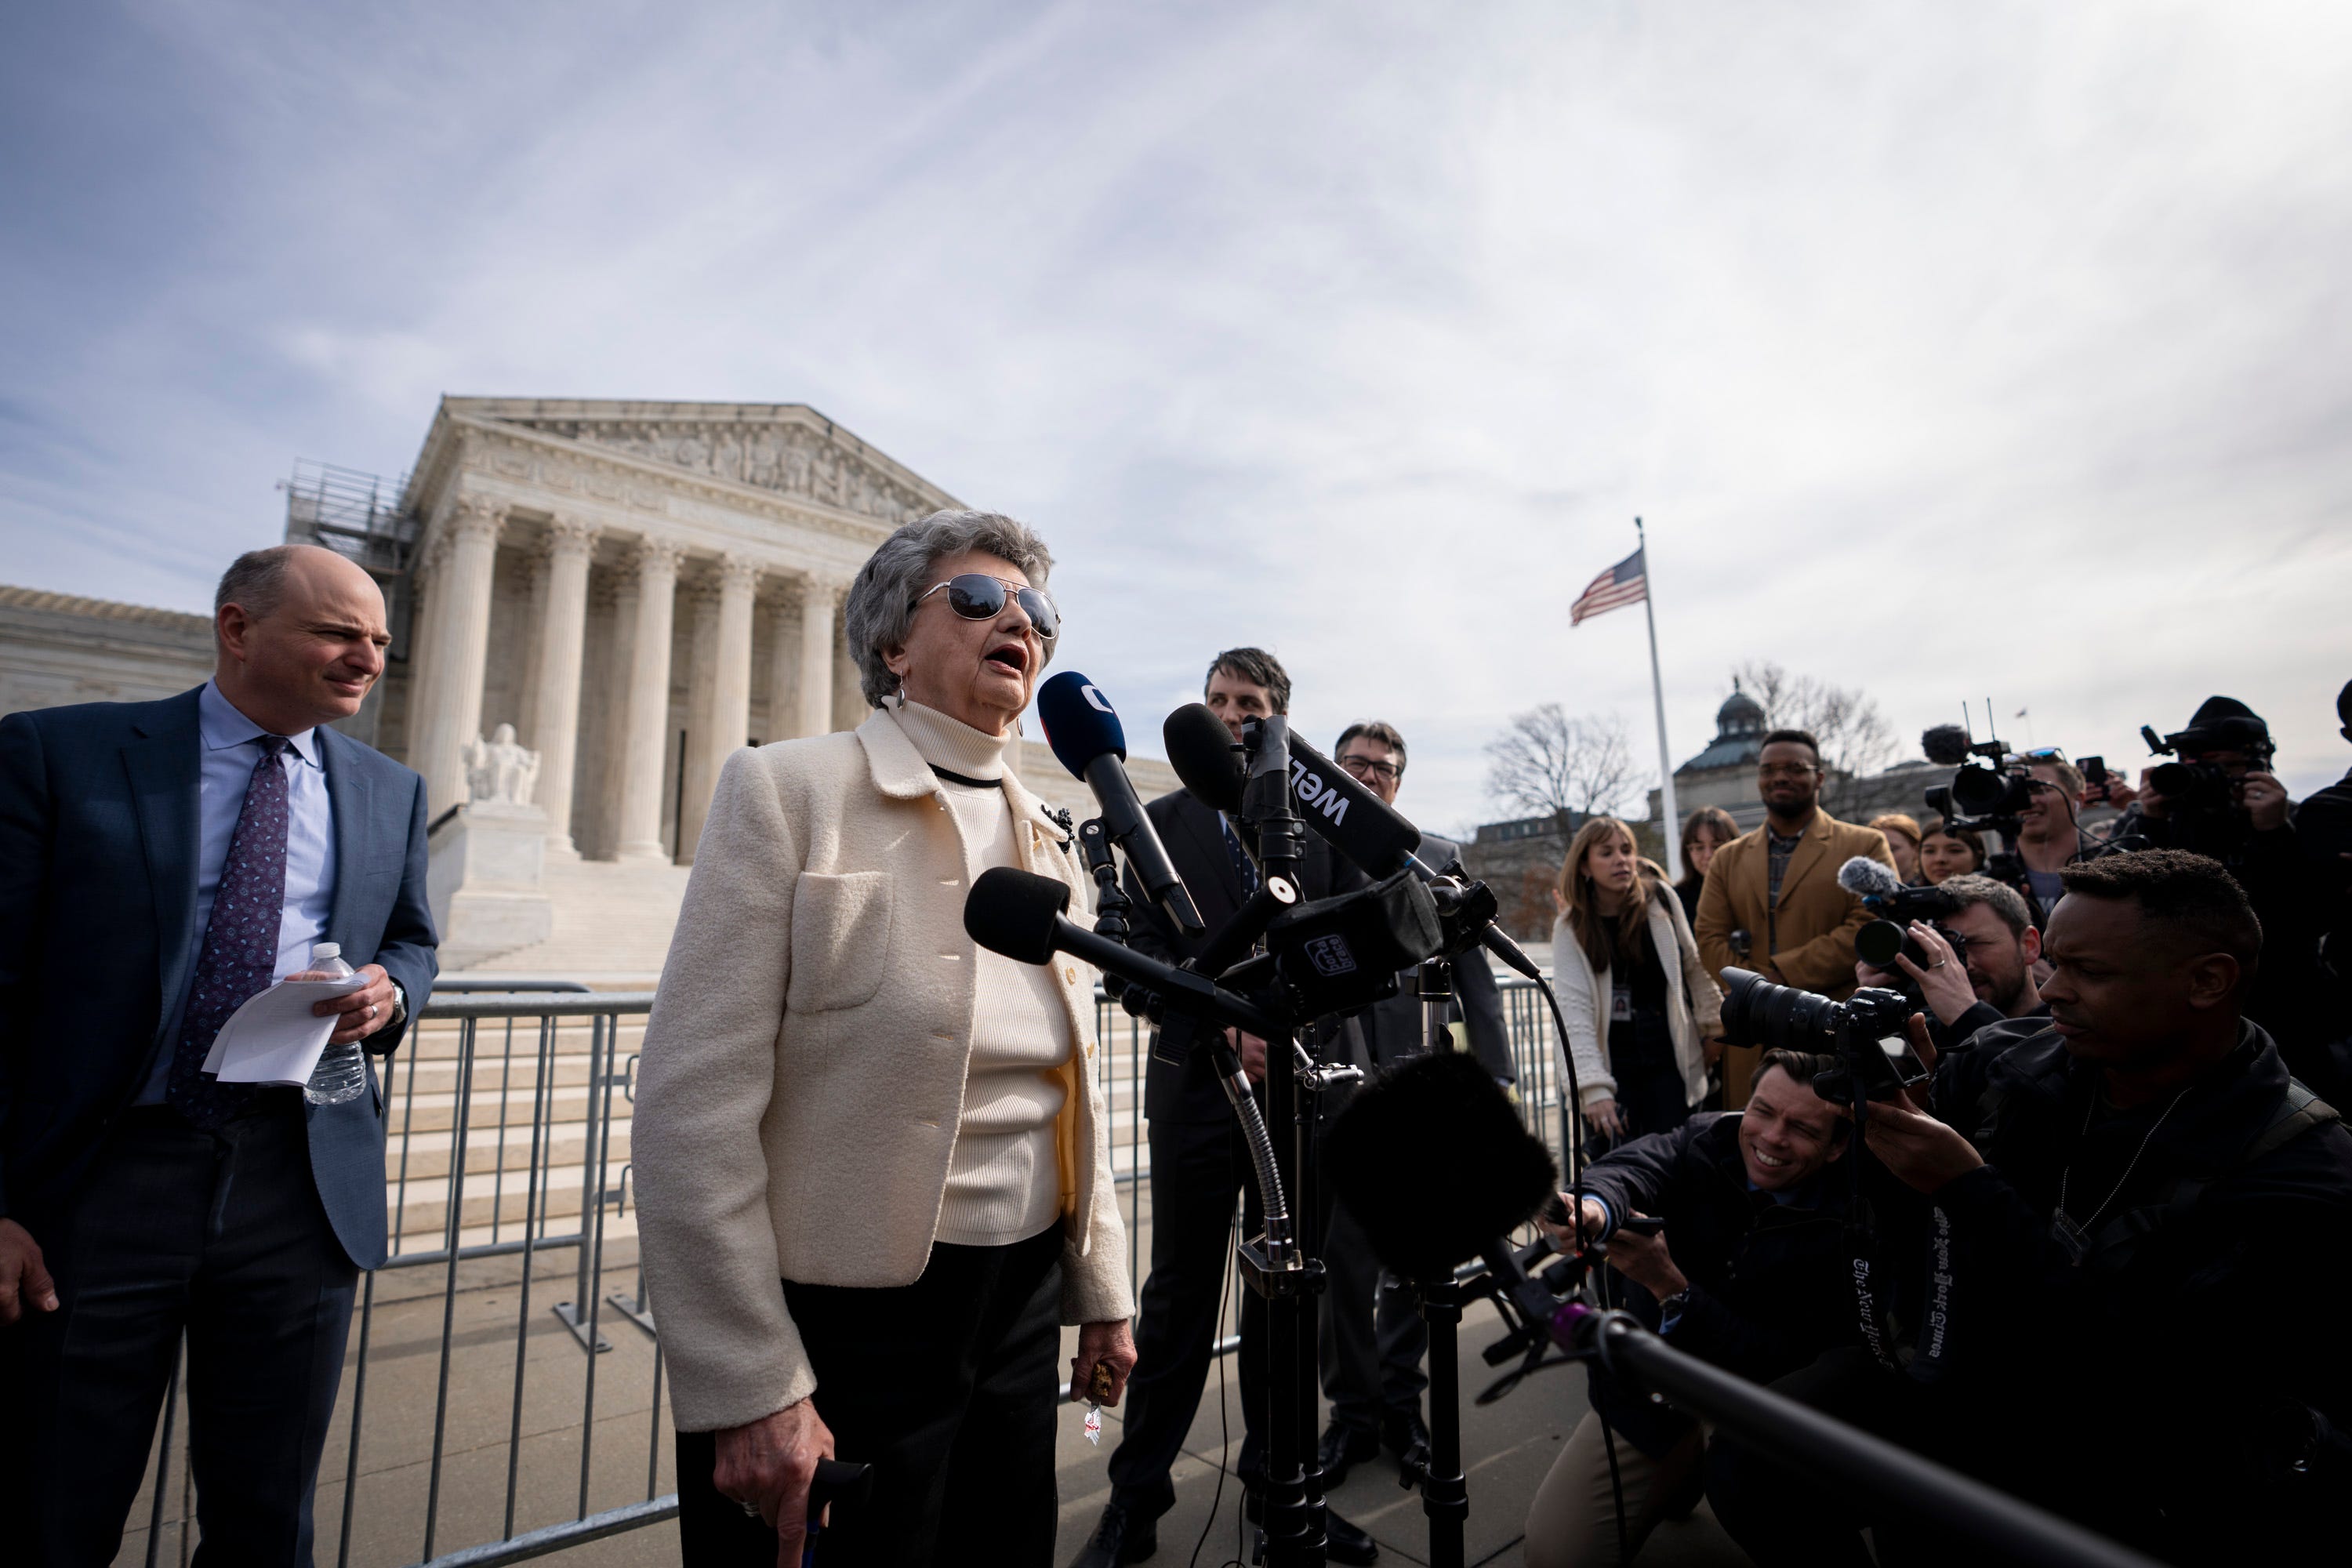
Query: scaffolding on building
(355, 514)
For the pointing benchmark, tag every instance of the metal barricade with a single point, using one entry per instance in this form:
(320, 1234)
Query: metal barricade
(510, 1110)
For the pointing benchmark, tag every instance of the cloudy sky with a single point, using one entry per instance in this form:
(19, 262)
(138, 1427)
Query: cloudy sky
(1999, 349)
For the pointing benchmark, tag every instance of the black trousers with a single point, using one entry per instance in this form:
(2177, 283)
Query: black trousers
(1197, 1167)
(1373, 1336)
(947, 1387)
(218, 1233)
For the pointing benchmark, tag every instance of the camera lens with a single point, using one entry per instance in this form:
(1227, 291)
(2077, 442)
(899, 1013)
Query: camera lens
(1978, 790)
(1877, 943)
(1757, 1013)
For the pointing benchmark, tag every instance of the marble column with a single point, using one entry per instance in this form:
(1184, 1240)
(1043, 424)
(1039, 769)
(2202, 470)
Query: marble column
(646, 741)
(849, 705)
(816, 655)
(461, 649)
(422, 653)
(555, 693)
(536, 566)
(785, 668)
(723, 719)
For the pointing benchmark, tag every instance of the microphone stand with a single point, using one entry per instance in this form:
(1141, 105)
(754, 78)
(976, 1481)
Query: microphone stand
(1437, 1467)
(1293, 1517)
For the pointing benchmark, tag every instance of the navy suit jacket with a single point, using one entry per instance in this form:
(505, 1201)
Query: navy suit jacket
(98, 903)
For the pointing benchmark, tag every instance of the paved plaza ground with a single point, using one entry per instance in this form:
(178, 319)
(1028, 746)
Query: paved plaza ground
(1508, 1444)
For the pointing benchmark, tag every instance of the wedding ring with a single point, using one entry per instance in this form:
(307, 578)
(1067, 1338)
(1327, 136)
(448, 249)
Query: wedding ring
(371, 1012)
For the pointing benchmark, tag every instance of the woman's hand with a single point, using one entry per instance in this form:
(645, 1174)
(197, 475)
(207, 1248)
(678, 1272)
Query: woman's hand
(768, 1463)
(1110, 1344)
(1603, 1117)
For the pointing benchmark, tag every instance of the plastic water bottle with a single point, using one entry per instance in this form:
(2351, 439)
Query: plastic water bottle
(342, 1072)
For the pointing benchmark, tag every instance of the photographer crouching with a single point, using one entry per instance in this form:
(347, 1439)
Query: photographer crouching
(1751, 1272)
(2142, 1229)
(1973, 965)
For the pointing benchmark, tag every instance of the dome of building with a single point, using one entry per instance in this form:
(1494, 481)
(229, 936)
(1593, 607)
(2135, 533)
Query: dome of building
(1739, 726)
(1740, 715)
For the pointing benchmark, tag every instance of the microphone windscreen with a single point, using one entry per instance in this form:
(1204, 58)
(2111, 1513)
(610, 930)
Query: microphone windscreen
(1433, 1161)
(1946, 746)
(1080, 723)
(1201, 750)
(1012, 911)
(1869, 879)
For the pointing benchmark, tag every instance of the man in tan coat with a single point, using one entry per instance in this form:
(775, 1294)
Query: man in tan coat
(1778, 886)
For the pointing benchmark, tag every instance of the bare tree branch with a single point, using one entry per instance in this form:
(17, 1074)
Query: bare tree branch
(1548, 763)
(1855, 737)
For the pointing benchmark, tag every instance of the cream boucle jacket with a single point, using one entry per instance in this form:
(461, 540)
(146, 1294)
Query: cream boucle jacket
(803, 1067)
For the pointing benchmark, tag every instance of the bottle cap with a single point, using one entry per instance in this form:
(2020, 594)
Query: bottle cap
(326, 949)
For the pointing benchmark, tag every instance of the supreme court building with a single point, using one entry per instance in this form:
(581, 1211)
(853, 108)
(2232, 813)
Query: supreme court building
(636, 589)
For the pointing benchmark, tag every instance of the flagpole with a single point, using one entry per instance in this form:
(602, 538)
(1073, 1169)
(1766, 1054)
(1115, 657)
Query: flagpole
(1672, 825)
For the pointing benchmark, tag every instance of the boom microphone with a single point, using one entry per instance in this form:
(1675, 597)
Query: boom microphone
(1868, 879)
(1021, 915)
(1435, 1164)
(1083, 730)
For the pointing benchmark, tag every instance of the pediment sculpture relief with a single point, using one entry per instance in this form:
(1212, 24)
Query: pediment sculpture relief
(787, 458)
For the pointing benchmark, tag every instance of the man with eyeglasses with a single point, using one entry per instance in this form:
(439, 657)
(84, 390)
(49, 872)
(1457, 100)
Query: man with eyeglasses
(1198, 1166)
(1373, 1338)
(1772, 902)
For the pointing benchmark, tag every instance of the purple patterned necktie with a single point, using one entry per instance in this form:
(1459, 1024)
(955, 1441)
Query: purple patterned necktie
(240, 954)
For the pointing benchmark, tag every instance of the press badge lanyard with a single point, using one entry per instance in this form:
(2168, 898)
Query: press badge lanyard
(2076, 1238)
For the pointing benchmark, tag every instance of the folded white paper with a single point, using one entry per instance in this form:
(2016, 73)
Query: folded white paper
(274, 1038)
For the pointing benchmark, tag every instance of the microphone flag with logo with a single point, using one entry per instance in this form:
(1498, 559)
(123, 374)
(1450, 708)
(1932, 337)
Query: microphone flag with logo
(1083, 730)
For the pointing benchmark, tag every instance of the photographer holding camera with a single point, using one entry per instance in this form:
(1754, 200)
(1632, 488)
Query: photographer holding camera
(2136, 1186)
(1981, 957)
(2220, 799)
(1751, 1272)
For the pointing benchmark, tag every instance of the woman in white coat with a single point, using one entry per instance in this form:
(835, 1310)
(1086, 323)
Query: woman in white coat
(1644, 1014)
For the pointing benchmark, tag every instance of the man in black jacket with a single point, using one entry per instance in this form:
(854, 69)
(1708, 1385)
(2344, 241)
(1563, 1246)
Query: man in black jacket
(1197, 1165)
(2143, 1228)
(1754, 1272)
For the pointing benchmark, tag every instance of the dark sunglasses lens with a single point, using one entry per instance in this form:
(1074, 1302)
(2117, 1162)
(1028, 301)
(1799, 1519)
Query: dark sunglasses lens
(1040, 612)
(975, 597)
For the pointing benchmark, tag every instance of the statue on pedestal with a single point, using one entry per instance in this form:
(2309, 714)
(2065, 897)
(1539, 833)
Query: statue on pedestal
(499, 772)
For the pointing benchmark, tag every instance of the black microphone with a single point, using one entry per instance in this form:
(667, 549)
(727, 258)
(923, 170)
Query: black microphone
(1435, 1164)
(1205, 756)
(1083, 730)
(1021, 915)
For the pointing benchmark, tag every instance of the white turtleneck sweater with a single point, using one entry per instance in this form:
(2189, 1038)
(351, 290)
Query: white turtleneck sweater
(1004, 1184)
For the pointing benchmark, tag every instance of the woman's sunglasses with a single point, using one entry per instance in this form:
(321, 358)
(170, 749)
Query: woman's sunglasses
(976, 597)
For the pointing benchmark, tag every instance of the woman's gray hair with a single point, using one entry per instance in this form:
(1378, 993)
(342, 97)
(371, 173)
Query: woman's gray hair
(882, 600)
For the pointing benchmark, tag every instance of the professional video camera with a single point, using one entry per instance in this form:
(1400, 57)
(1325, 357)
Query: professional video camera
(1985, 796)
(2203, 789)
(1896, 905)
(1860, 1042)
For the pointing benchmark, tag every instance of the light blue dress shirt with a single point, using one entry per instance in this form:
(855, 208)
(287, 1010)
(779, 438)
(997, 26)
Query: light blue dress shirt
(228, 739)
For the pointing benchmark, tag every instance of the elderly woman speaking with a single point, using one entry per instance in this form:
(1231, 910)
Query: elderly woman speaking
(874, 1169)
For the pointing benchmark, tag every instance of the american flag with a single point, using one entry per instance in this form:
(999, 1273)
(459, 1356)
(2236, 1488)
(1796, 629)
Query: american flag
(1621, 585)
